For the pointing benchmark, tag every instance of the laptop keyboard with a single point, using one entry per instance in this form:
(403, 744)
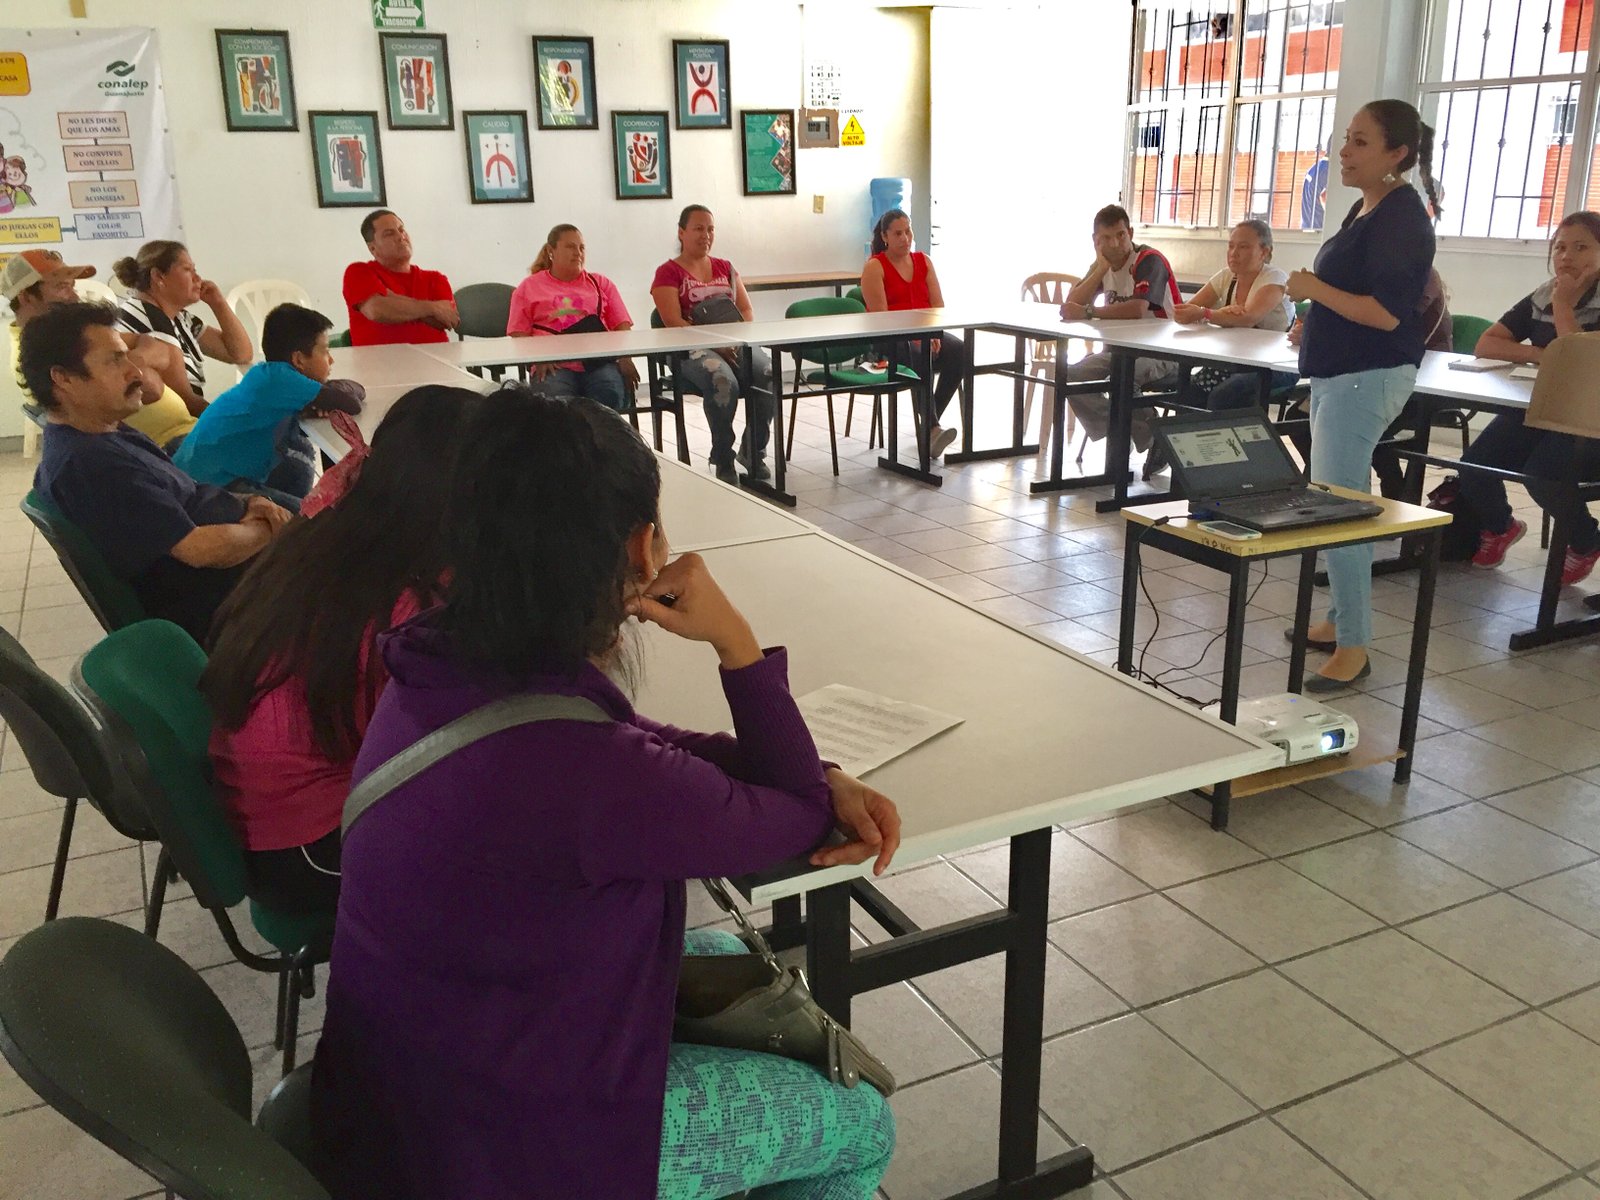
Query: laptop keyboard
(1273, 502)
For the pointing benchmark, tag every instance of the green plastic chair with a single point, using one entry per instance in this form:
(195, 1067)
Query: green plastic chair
(68, 755)
(340, 339)
(855, 294)
(144, 681)
(838, 371)
(125, 1039)
(1465, 331)
(485, 310)
(107, 594)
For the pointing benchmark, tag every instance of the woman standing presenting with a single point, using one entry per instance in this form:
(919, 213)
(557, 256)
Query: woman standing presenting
(1362, 343)
(897, 278)
(559, 296)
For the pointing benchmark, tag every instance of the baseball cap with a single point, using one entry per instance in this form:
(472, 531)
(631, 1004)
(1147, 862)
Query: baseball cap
(29, 267)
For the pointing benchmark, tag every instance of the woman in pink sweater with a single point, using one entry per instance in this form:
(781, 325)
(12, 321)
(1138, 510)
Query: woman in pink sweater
(292, 677)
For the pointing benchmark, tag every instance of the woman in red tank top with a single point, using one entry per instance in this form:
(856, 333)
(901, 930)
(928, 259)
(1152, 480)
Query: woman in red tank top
(897, 278)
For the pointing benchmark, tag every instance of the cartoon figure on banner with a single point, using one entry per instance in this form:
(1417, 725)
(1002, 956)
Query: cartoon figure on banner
(348, 154)
(644, 159)
(703, 86)
(258, 83)
(783, 157)
(14, 190)
(566, 90)
(499, 164)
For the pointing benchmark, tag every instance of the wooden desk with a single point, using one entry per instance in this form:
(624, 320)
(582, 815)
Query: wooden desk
(1169, 527)
(837, 280)
(1048, 736)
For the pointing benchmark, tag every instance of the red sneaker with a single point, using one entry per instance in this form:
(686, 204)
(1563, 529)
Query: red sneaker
(1576, 567)
(1492, 547)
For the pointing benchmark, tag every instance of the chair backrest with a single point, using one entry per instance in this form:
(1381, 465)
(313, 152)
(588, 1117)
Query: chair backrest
(95, 292)
(485, 308)
(855, 294)
(828, 306)
(108, 595)
(1465, 331)
(65, 748)
(1048, 287)
(1564, 392)
(254, 299)
(144, 681)
(127, 1041)
(336, 340)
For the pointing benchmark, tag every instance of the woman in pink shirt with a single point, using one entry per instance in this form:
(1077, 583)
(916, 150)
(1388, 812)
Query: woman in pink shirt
(292, 678)
(559, 296)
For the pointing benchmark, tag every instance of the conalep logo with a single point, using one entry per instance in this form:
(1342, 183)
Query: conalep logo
(121, 70)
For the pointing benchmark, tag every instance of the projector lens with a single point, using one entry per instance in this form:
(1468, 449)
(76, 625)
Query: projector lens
(1333, 740)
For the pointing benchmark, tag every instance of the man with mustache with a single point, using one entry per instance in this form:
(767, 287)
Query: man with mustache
(179, 544)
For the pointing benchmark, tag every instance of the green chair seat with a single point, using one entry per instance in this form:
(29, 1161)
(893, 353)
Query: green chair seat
(107, 594)
(860, 377)
(288, 932)
(126, 1040)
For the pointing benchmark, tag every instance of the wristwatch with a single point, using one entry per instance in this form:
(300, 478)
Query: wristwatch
(1089, 313)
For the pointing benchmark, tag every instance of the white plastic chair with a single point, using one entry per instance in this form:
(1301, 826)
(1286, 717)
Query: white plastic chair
(95, 292)
(1045, 287)
(253, 300)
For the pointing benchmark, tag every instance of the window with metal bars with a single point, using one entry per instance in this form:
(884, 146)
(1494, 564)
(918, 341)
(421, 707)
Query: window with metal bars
(1231, 110)
(1510, 89)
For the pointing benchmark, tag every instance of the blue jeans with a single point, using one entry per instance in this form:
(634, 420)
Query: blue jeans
(1243, 389)
(720, 386)
(1349, 413)
(1509, 443)
(602, 383)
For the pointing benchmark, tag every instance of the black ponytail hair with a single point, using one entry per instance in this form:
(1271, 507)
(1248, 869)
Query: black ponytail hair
(1402, 125)
(880, 231)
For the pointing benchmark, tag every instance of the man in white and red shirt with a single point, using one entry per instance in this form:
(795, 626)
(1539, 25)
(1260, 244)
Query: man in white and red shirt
(1132, 282)
(389, 299)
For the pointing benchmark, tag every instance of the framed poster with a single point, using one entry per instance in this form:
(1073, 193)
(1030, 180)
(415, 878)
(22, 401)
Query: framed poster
(563, 70)
(257, 80)
(497, 157)
(767, 137)
(416, 81)
(641, 155)
(701, 71)
(348, 158)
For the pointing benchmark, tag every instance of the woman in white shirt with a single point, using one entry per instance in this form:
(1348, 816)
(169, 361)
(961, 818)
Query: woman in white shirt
(1246, 294)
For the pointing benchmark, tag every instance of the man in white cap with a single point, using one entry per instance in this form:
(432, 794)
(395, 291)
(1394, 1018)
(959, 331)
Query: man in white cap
(34, 280)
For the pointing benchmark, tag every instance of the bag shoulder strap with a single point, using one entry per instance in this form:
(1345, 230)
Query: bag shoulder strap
(466, 729)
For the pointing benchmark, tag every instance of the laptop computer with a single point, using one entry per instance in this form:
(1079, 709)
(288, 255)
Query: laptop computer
(1231, 465)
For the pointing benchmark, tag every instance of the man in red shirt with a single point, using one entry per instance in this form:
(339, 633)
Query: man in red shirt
(389, 299)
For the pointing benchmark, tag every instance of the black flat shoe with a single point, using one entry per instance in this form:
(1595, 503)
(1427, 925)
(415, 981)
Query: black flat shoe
(1318, 685)
(1292, 635)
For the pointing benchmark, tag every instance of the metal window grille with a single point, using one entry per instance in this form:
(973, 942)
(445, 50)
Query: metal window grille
(1510, 88)
(1223, 127)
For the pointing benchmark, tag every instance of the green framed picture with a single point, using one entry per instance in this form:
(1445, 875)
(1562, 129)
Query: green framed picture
(564, 92)
(257, 80)
(348, 159)
(767, 138)
(497, 157)
(416, 81)
(641, 155)
(701, 71)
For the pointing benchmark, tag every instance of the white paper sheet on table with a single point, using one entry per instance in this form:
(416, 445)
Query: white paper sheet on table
(860, 730)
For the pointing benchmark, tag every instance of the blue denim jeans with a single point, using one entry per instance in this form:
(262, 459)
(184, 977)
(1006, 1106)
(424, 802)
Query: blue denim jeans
(601, 382)
(1349, 413)
(1543, 453)
(720, 387)
(1243, 389)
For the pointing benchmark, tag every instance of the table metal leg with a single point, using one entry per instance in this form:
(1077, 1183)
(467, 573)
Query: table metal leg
(1547, 630)
(788, 928)
(1421, 622)
(828, 949)
(1015, 371)
(1302, 621)
(1119, 435)
(775, 490)
(1232, 662)
(922, 397)
(1131, 536)
(1056, 480)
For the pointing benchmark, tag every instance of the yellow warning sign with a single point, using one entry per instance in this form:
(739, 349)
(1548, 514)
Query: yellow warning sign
(852, 134)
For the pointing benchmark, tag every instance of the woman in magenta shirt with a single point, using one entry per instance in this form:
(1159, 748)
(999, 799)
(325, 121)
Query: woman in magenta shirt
(899, 279)
(559, 296)
(292, 676)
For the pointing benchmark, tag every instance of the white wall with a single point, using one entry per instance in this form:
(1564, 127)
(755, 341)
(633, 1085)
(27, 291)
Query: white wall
(249, 202)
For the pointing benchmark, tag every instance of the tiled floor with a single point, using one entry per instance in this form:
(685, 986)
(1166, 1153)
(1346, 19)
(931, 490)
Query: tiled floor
(1357, 991)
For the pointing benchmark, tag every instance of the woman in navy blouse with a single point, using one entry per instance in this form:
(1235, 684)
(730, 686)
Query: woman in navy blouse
(1362, 343)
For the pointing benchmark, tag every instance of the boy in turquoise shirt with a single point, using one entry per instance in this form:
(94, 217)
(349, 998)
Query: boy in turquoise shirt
(249, 438)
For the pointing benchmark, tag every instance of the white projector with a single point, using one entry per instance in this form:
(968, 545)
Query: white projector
(1302, 727)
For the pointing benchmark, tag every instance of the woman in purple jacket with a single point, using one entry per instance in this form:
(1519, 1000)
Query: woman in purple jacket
(500, 1002)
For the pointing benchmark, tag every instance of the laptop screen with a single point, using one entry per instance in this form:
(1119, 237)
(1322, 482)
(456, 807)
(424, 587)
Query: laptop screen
(1229, 453)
